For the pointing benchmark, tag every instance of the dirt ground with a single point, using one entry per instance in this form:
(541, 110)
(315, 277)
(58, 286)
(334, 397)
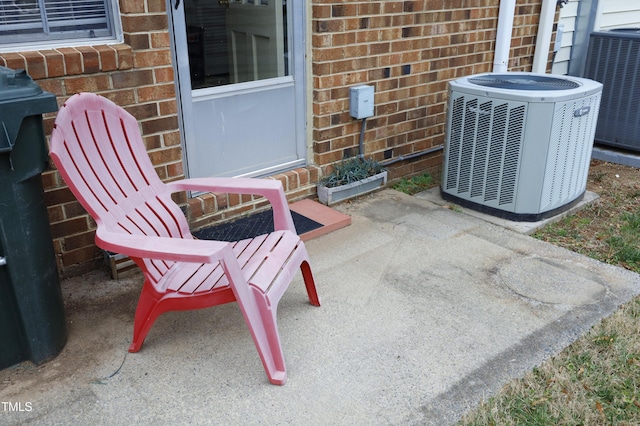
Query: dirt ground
(611, 181)
(588, 231)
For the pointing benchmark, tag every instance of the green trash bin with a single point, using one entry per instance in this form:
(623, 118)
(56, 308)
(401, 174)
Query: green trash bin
(32, 320)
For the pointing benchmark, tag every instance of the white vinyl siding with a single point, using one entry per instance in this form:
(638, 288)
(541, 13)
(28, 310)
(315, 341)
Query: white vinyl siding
(618, 14)
(568, 16)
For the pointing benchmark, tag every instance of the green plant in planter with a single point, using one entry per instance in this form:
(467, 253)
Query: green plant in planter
(351, 170)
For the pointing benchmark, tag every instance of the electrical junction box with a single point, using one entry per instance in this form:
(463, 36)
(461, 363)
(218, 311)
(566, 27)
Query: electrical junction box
(361, 101)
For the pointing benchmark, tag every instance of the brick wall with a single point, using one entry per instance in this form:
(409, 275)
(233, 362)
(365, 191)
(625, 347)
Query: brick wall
(408, 50)
(137, 75)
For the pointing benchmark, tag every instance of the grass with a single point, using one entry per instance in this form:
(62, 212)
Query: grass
(592, 382)
(415, 184)
(596, 380)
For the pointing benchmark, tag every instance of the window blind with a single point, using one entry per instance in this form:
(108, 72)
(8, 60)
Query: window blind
(23, 20)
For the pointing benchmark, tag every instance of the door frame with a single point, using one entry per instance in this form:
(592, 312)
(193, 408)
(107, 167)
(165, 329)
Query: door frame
(300, 59)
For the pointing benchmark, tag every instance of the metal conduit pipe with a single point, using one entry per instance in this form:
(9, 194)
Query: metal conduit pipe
(414, 155)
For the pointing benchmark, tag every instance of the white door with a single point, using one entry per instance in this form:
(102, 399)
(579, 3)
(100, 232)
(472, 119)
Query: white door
(256, 40)
(240, 76)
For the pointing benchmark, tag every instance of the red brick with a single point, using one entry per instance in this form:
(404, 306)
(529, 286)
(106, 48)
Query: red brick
(143, 111)
(121, 97)
(175, 170)
(144, 23)
(107, 58)
(392, 7)
(79, 241)
(161, 171)
(321, 11)
(131, 6)
(156, 6)
(156, 93)
(49, 179)
(90, 59)
(73, 209)
(171, 138)
(369, 8)
(166, 155)
(151, 58)
(14, 61)
(134, 78)
(168, 107)
(137, 41)
(160, 39)
(53, 85)
(161, 124)
(72, 61)
(87, 83)
(58, 196)
(152, 142)
(54, 62)
(195, 207)
(88, 256)
(124, 55)
(69, 227)
(55, 214)
(36, 67)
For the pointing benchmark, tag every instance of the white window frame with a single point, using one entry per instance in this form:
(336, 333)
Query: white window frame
(40, 41)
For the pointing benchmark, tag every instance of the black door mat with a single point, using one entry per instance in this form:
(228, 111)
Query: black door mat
(252, 226)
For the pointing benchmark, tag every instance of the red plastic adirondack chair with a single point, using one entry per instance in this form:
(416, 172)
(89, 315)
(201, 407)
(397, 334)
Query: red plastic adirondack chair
(98, 149)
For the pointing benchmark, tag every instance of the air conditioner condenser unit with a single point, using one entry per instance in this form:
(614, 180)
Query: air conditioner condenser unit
(518, 145)
(613, 59)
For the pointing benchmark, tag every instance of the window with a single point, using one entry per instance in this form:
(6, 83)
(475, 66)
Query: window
(47, 20)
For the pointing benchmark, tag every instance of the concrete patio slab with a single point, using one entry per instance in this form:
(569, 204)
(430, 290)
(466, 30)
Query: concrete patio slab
(425, 311)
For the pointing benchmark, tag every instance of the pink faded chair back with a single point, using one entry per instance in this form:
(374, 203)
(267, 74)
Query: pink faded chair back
(109, 171)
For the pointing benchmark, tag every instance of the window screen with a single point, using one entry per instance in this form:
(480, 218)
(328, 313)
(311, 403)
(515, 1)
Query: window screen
(36, 20)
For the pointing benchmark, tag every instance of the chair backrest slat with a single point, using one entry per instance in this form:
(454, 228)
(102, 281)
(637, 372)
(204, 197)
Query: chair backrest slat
(100, 146)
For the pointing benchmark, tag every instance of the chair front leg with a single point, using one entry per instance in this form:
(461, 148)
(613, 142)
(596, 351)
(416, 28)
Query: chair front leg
(146, 314)
(260, 317)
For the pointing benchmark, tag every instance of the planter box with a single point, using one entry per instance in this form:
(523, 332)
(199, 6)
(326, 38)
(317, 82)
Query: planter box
(336, 194)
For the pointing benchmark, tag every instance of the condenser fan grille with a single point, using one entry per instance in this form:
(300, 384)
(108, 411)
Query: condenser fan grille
(520, 82)
(485, 148)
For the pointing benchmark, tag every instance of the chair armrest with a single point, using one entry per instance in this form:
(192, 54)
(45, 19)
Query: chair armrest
(270, 189)
(163, 248)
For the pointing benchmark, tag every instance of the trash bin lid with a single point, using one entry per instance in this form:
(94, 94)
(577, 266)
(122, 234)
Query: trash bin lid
(16, 84)
(20, 97)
